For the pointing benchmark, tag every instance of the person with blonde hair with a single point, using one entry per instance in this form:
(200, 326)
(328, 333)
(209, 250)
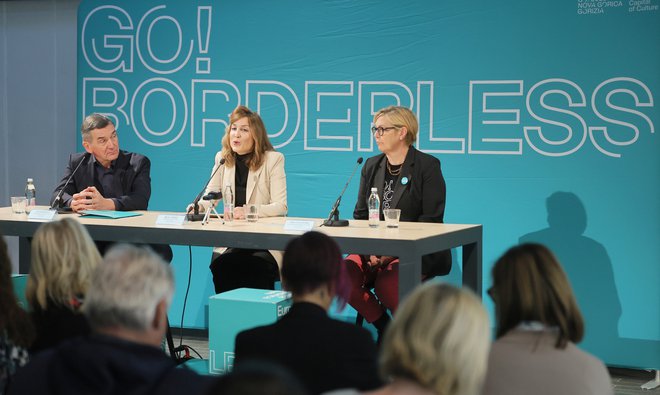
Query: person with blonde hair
(63, 259)
(255, 172)
(538, 326)
(126, 305)
(406, 179)
(437, 344)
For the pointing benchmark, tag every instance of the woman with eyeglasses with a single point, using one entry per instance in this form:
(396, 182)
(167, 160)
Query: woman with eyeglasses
(255, 173)
(538, 326)
(406, 179)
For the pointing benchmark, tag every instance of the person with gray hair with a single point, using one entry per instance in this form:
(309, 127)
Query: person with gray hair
(126, 306)
(105, 177)
(109, 178)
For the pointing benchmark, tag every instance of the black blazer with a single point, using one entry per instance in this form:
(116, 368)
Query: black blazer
(131, 170)
(419, 192)
(324, 353)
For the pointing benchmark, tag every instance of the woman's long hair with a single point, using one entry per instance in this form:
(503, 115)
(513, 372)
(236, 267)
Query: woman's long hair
(530, 285)
(63, 259)
(14, 321)
(258, 133)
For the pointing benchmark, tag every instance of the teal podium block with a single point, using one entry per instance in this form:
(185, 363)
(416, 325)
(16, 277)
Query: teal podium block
(19, 281)
(237, 310)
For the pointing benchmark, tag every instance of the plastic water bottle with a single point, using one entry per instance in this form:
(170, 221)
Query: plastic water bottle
(374, 208)
(228, 203)
(30, 194)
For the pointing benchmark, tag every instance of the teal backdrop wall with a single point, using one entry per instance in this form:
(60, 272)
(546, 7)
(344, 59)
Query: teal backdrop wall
(542, 114)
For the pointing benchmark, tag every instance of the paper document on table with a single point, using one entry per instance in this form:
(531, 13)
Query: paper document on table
(109, 214)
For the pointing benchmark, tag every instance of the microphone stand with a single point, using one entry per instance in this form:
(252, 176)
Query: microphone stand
(56, 205)
(212, 197)
(333, 219)
(195, 215)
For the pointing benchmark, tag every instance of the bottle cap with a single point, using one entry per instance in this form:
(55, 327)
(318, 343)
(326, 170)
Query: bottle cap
(29, 180)
(374, 189)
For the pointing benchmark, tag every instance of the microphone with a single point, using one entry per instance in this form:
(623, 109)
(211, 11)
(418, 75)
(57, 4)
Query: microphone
(213, 196)
(333, 218)
(195, 215)
(58, 199)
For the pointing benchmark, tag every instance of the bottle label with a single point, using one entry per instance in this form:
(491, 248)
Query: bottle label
(374, 218)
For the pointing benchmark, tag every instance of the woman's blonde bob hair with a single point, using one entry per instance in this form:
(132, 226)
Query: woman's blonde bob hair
(63, 259)
(401, 117)
(258, 133)
(439, 339)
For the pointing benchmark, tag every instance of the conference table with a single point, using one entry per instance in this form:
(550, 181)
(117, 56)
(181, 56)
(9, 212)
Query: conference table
(409, 242)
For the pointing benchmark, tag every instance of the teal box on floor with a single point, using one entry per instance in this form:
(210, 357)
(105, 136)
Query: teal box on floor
(237, 310)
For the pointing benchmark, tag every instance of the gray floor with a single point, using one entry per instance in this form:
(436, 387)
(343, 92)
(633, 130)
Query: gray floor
(624, 381)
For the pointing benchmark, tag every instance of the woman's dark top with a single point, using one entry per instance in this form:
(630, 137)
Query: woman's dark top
(55, 324)
(240, 180)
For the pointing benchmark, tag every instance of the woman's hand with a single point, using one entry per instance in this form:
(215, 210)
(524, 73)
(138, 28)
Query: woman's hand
(377, 261)
(191, 206)
(239, 213)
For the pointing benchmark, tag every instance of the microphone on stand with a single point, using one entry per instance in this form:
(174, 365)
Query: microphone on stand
(57, 202)
(195, 215)
(333, 218)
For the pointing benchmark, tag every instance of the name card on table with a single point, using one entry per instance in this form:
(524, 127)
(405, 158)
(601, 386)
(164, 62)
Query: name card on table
(42, 215)
(171, 219)
(298, 225)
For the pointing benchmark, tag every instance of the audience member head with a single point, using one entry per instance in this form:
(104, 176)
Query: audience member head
(14, 321)
(313, 263)
(63, 259)
(130, 294)
(530, 285)
(257, 378)
(439, 340)
(245, 134)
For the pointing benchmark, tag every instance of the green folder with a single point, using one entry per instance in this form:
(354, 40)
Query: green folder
(109, 214)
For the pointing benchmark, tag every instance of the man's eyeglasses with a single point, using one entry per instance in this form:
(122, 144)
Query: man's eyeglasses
(381, 130)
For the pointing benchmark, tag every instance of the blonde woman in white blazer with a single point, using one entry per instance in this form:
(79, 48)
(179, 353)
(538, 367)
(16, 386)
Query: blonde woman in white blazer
(255, 172)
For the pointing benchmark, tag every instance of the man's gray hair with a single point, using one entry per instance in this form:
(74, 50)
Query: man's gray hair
(126, 288)
(94, 121)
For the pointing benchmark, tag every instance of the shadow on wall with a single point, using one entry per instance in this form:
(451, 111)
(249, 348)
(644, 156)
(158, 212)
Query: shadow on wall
(587, 265)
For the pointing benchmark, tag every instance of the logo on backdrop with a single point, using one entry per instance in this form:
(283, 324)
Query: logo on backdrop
(152, 73)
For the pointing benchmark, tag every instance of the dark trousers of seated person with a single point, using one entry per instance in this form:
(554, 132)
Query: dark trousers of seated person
(163, 250)
(243, 268)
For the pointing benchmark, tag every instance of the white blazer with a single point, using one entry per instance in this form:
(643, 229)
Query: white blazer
(266, 187)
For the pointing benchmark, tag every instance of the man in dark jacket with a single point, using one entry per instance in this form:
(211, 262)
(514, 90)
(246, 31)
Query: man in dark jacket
(126, 306)
(105, 177)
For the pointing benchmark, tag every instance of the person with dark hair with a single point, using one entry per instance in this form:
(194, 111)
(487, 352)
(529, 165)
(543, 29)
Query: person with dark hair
(406, 179)
(324, 353)
(16, 330)
(126, 306)
(257, 378)
(110, 179)
(255, 173)
(538, 326)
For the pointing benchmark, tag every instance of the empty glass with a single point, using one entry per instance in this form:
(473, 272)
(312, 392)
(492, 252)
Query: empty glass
(392, 217)
(18, 204)
(252, 212)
